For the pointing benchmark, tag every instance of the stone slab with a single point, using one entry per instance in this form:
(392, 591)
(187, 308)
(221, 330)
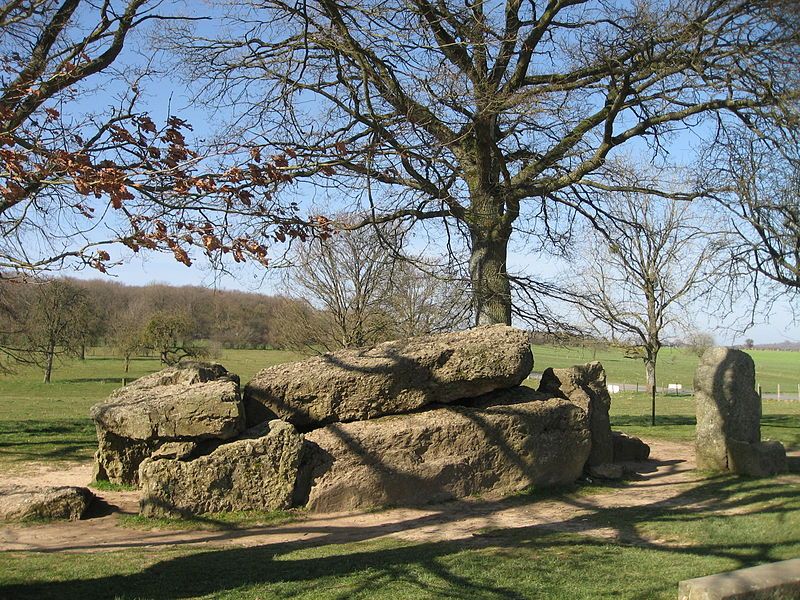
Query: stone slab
(774, 581)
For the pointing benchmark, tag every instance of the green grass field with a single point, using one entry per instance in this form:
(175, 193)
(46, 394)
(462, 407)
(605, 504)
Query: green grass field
(51, 422)
(675, 365)
(718, 524)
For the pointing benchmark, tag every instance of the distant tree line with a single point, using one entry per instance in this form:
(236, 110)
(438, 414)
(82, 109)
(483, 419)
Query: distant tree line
(347, 293)
(43, 320)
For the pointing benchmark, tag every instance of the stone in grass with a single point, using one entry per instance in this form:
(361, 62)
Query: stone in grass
(628, 448)
(728, 436)
(760, 459)
(247, 474)
(391, 378)
(27, 503)
(189, 403)
(611, 471)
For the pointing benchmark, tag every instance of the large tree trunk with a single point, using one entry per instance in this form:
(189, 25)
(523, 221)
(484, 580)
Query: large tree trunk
(490, 230)
(491, 290)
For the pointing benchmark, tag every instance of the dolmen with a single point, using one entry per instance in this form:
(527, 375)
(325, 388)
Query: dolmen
(402, 423)
(728, 437)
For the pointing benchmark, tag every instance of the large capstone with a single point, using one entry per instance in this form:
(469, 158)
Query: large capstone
(191, 402)
(247, 474)
(728, 409)
(443, 453)
(391, 378)
(585, 386)
(28, 503)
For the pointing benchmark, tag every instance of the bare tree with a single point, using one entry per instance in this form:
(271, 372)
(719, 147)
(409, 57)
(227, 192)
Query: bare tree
(698, 342)
(168, 333)
(358, 291)
(422, 301)
(489, 118)
(347, 276)
(760, 186)
(54, 324)
(637, 287)
(127, 332)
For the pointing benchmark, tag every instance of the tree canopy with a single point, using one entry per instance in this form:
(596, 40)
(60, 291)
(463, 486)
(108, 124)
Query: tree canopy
(494, 119)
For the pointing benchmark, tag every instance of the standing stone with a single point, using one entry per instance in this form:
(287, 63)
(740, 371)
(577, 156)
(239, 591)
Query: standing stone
(585, 386)
(729, 417)
(441, 454)
(248, 474)
(390, 378)
(191, 402)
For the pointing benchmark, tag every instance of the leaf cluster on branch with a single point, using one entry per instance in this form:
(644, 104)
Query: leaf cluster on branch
(73, 180)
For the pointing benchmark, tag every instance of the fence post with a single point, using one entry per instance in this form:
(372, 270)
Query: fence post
(637, 387)
(779, 391)
(760, 395)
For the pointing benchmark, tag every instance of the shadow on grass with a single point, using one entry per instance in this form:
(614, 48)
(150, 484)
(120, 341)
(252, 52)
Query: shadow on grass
(63, 440)
(523, 562)
(110, 380)
(644, 421)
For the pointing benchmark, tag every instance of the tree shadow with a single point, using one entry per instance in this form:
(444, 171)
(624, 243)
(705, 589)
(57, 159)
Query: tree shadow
(644, 420)
(306, 565)
(66, 440)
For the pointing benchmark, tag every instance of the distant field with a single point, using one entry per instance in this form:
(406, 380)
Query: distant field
(51, 421)
(675, 365)
(77, 385)
(675, 418)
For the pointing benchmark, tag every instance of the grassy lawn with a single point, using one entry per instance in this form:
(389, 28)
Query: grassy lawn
(675, 365)
(675, 418)
(722, 524)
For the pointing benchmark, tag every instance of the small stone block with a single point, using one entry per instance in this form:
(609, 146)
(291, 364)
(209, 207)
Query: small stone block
(607, 471)
(760, 459)
(774, 581)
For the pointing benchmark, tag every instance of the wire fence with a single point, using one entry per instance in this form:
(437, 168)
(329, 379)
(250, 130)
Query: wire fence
(781, 392)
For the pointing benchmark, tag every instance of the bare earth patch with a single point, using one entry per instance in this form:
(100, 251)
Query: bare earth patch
(661, 481)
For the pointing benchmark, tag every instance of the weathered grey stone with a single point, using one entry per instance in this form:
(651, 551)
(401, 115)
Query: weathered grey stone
(585, 386)
(773, 581)
(729, 416)
(443, 453)
(610, 471)
(759, 459)
(248, 474)
(117, 458)
(25, 503)
(190, 402)
(176, 450)
(391, 378)
(628, 448)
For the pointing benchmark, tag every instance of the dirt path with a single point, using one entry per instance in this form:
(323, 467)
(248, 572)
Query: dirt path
(665, 479)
